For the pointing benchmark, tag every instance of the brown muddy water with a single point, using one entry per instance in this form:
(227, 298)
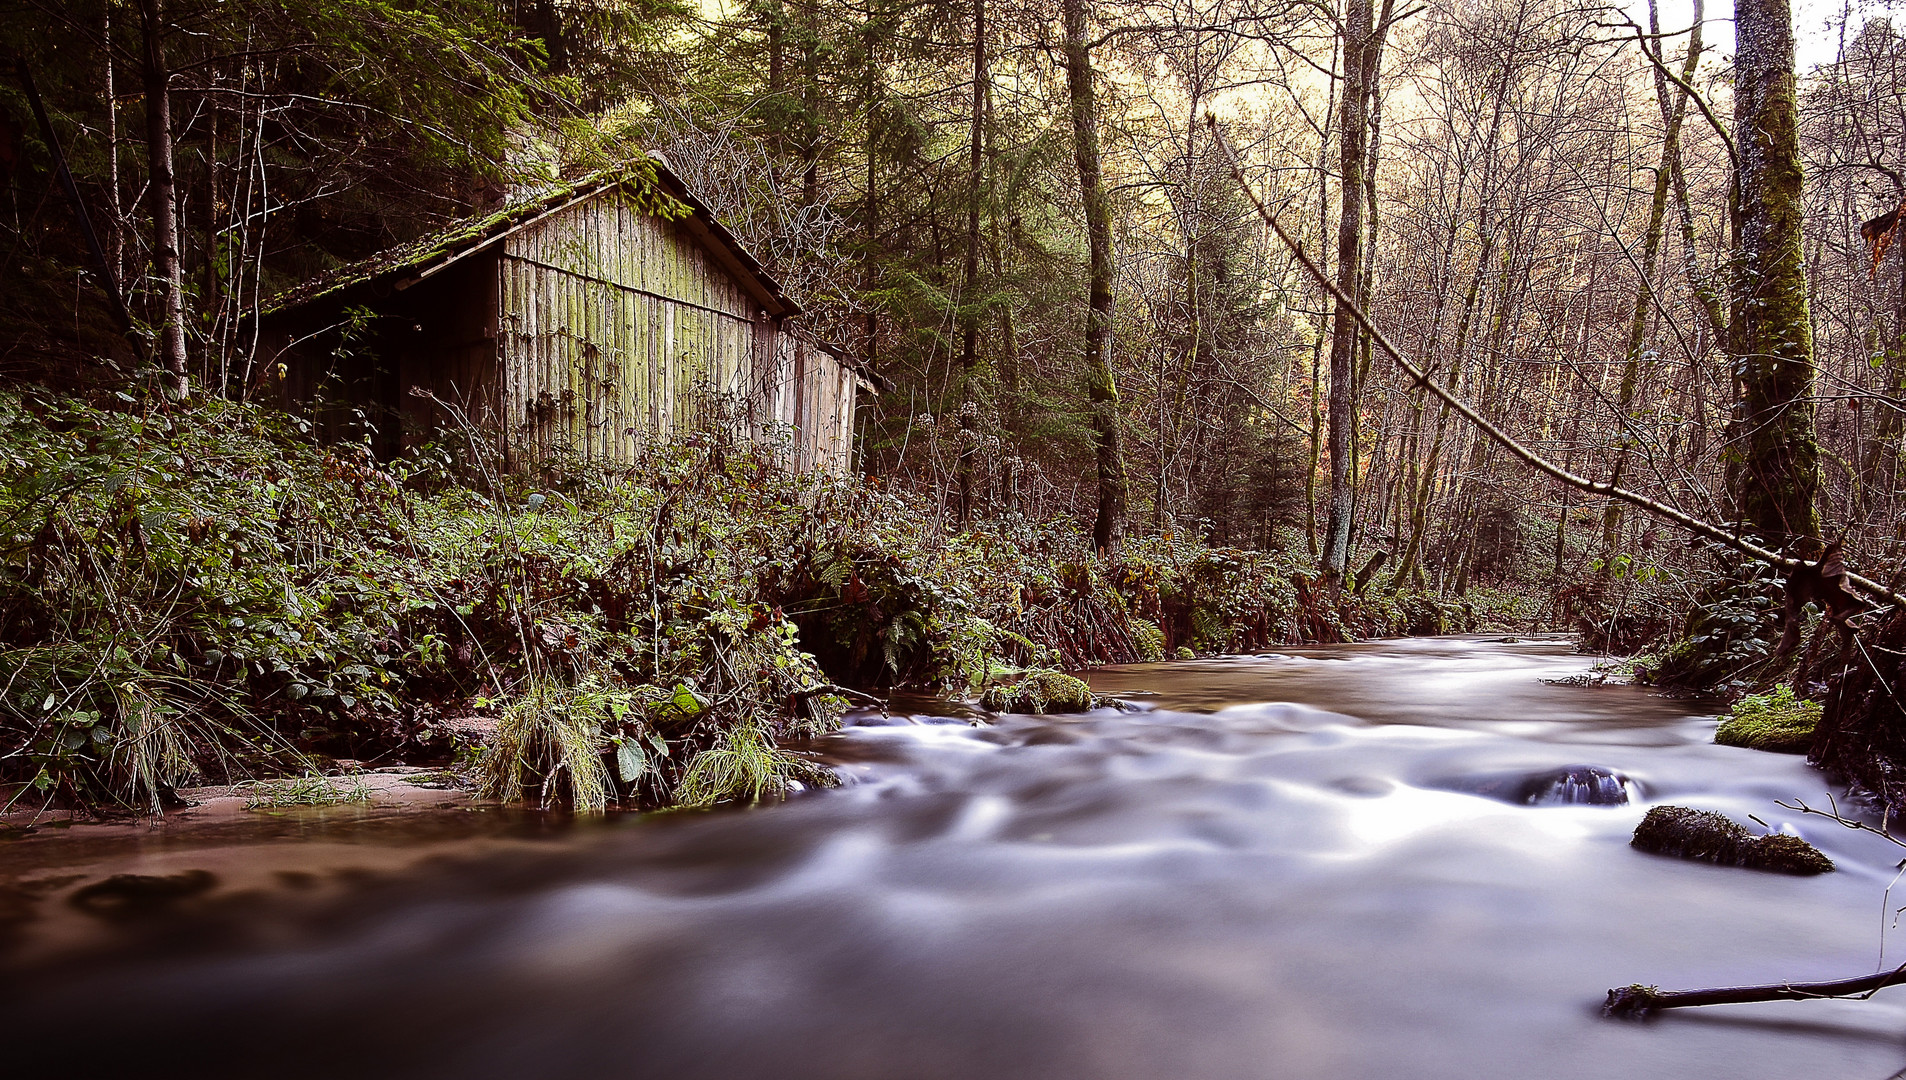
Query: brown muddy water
(1314, 866)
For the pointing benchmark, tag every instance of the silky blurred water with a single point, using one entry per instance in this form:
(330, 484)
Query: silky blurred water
(1313, 865)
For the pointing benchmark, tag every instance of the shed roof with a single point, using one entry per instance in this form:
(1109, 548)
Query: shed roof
(647, 180)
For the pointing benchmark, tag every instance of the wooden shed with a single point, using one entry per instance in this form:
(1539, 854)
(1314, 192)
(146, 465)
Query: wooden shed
(591, 318)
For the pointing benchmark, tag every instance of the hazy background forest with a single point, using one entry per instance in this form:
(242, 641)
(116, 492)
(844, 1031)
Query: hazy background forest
(1544, 200)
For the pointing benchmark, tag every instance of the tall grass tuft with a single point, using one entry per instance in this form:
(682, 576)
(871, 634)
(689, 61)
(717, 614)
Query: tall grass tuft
(547, 736)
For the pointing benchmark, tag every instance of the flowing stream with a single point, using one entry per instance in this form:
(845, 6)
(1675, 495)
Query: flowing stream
(1371, 861)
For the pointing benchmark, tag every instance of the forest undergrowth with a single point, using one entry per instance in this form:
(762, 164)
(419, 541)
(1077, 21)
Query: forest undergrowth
(206, 595)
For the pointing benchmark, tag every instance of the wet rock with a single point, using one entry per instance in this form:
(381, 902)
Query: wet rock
(1566, 785)
(126, 896)
(1576, 785)
(1705, 836)
(1368, 787)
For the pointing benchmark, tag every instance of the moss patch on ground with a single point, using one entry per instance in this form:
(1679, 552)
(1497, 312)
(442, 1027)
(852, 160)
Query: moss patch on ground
(1775, 721)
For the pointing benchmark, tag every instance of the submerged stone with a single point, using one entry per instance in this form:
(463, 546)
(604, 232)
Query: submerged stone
(1705, 836)
(126, 896)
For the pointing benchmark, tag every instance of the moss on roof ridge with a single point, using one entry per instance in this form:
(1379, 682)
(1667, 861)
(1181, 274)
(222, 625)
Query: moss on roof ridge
(638, 178)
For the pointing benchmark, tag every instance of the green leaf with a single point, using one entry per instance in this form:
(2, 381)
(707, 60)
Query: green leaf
(687, 703)
(630, 761)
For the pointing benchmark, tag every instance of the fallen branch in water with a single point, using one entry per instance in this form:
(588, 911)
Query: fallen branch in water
(1527, 456)
(1637, 1002)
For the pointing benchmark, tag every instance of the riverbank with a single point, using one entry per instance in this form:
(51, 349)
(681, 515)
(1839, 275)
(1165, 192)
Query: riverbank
(209, 595)
(1291, 858)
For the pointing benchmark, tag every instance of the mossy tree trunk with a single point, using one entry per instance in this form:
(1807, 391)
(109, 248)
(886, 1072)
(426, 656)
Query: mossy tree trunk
(1101, 390)
(1774, 458)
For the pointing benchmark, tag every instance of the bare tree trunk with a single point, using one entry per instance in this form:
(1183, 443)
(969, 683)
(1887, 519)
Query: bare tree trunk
(1108, 529)
(1778, 472)
(870, 40)
(116, 234)
(163, 194)
(969, 285)
(1316, 441)
(211, 287)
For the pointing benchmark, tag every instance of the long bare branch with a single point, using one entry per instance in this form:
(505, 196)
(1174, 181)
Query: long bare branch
(1520, 452)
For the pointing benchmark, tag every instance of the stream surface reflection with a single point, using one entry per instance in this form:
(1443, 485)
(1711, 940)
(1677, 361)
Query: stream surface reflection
(1293, 866)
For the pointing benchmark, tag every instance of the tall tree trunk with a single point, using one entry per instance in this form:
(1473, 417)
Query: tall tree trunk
(969, 283)
(1100, 388)
(1316, 441)
(116, 232)
(1353, 129)
(211, 286)
(163, 195)
(1777, 473)
(871, 34)
(811, 104)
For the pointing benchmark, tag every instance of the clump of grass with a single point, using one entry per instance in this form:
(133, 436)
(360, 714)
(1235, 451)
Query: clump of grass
(548, 733)
(746, 766)
(1774, 721)
(311, 789)
(1041, 692)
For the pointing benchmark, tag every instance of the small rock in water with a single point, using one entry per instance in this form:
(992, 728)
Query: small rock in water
(1706, 836)
(1568, 785)
(1576, 785)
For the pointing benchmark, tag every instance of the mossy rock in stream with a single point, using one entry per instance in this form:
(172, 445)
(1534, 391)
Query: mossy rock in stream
(1042, 692)
(1773, 721)
(1705, 836)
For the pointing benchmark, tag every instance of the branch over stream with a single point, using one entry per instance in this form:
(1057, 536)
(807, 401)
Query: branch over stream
(1527, 456)
(1637, 1002)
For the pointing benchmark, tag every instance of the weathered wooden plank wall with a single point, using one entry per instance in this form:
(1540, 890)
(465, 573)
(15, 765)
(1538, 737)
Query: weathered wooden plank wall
(613, 326)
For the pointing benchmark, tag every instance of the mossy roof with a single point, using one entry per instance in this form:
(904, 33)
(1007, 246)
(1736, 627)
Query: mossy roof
(647, 180)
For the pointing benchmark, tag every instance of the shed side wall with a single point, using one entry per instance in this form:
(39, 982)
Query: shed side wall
(613, 325)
